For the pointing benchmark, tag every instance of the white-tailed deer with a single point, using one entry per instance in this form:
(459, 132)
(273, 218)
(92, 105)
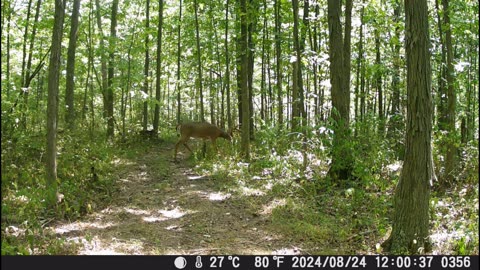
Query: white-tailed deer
(201, 130)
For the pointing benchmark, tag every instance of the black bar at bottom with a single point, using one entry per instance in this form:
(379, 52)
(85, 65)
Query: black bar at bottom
(238, 262)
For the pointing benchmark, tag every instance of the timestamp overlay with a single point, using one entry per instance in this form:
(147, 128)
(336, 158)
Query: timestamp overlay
(324, 262)
(239, 262)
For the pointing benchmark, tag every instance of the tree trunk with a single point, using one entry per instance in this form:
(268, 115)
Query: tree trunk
(199, 64)
(342, 160)
(441, 92)
(113, 36)
(296, 70)
(227, 73)
(278, 59)
(451, 141)
(411, 200)
(103, 59)
(146, 68)
(70, 85)
(52, 104)
(243, 47)
(177, 83)
(378, 82)
(156, 118)
(396, 120)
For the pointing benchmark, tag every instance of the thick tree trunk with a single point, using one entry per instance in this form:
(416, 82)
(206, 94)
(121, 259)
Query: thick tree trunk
(342, 160)
(411, 200)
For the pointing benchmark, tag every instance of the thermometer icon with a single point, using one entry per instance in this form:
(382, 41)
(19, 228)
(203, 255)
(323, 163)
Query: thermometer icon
(198, 262)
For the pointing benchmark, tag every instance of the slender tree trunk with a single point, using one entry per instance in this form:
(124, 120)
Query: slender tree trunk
(28, 76)
(252, 23)
(347, 48)
(9, 20)
(70, 85)
(146, 68)
(451, 157)
(411, 200)
(227, 73)
(361, 66)
(278, 58)
(378, 83)
(295, 72)
(25, 42)
(113, 36)
(52, 104)
(103, 59)
(395, 121)
(199, 64)
(177, 83)
(243, 47)
(441, 92)
(156, 119)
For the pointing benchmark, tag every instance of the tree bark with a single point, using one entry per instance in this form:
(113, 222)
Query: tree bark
(199, 64)
(342, 161)
(278, 59)
(146, 68)
(243, 47)
(177, 83)
(451, 141)
(113, 36)
(70, 84)
(156, 118)
(103, 59)
(52, 104)
(411, 200)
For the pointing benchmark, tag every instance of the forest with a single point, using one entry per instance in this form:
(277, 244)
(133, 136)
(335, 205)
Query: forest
(199, 127)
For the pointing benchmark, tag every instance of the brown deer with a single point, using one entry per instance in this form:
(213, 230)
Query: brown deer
(202, 130)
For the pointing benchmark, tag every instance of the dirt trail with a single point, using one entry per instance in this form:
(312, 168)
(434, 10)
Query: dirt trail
(164, 208)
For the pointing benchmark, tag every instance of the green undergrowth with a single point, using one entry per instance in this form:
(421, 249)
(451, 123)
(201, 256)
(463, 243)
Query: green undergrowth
(339, 218)
(86, 173)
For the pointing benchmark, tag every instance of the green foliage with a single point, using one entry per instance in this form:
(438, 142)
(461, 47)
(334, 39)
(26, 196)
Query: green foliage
(23, 188)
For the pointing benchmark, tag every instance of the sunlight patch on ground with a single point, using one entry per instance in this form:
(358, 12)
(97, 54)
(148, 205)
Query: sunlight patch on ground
(218, 196)
(113, 246)
(174, 213)
(288, 251)
(246, 191)
(119, 161)
(80, 226)
(212, 196)
(268, 208)
(136, 212)
(167, 214)
(196, 177)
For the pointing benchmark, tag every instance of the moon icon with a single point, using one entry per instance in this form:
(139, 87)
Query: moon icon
(180, 262)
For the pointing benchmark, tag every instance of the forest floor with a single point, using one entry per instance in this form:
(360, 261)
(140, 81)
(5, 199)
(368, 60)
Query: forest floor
(163, 207)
